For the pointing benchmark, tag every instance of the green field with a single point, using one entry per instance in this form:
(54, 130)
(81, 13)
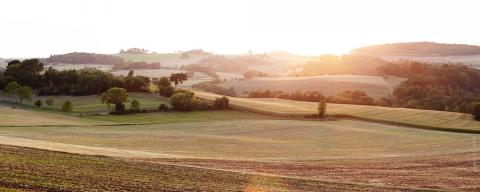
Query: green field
(92, 104)
(428, 119)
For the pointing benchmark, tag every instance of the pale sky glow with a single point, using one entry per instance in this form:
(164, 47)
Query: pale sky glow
(34, 28)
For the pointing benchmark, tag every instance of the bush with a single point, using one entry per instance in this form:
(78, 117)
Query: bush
(67, 107)
(322, 108)
(135, 105)
(476, 112)
(49, 101)
(163, 107)
(166, 91)
(221, 103)
(183, 102)
(38, 103)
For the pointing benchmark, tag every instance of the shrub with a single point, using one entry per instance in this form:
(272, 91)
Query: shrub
(366, 100)
(67, 107)
(476, 112)
(135, 105)
(166, 91)
(221, 103)
(38, 103)
(163, 107)
(49, 101)
(183, 102)
(322, 108)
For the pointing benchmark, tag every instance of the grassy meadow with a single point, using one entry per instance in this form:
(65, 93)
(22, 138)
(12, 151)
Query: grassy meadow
(256, 139)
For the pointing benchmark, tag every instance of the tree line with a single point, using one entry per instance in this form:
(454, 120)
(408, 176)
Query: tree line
(31, 73)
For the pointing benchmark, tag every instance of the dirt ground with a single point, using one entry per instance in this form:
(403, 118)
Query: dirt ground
(459, 172)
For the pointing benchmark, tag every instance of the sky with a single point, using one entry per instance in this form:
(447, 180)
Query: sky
(33, 28)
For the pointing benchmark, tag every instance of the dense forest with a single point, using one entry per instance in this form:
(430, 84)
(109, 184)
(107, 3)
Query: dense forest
(31, 73)
(419, 49)
(446, 87)
(85, 58)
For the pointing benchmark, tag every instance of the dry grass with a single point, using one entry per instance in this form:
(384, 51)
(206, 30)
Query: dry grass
(17, 117)
(448, 121)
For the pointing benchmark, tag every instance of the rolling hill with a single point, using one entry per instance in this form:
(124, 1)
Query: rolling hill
(425, 49)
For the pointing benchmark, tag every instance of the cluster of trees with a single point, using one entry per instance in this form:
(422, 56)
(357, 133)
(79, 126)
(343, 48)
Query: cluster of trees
(184, 100)
(210, 86)
(31, 73)
(311, 96)
(137, 65)
(165, 87)
(345, 97)
(254, 73)
(85, 58)
(419, 49)
(443, 87)
(134, 51)
(345, 64)
(194, 53)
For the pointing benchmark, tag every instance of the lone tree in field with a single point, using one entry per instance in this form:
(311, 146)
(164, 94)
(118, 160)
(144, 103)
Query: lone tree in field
(178, 78)
(38, 103)
(115, 96)
(49, 101)
(165, 87)
(24, 93)
(322, 107)
(67, 107)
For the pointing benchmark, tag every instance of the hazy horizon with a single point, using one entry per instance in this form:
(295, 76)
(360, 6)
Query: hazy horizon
(229, 27)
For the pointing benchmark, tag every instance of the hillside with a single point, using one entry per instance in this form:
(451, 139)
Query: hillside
(85, 58)
(419, 49)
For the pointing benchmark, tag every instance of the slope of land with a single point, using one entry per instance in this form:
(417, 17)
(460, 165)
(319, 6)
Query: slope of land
(438, 120)
(18, 117)
(328, 85)
(419, 49)
(90, 104)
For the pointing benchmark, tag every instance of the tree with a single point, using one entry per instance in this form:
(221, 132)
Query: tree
(165, 87)
(322, 107)
(476, 111)
(115, 96)
(38, 103)
(26, 72)
(67, 107)
(11, 89)
(49, 101)
(221, 103)
(178, 78)
(135, 105)
(24, 93)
